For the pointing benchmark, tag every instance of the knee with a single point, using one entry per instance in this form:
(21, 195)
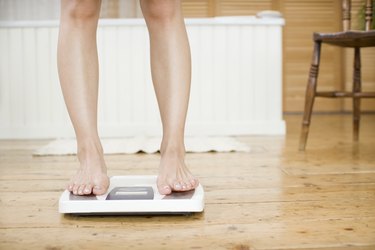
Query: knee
(80, 10)
(160, 10)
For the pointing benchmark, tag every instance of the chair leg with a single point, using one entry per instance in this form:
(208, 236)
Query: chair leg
(310, 95)
(356, 88)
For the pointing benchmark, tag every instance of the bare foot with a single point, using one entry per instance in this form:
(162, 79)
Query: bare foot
(91, 177)
(173, 173)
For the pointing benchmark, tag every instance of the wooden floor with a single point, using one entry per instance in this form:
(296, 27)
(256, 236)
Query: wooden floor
(272, 198)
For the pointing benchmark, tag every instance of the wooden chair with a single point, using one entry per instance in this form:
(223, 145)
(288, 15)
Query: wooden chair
(347, 38)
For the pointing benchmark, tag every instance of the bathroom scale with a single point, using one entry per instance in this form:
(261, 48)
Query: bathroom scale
(133, 195)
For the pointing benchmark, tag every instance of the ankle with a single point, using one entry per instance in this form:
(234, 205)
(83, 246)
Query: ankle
(89, 148)
(172, 148)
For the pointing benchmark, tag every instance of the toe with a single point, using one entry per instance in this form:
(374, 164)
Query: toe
(75, 189)
(177, 186)
(188, 185)
(98, 190)
(80, 189)
(184, 186)
(70, 186)
(194, 183)
(164, 188)
(88, 189)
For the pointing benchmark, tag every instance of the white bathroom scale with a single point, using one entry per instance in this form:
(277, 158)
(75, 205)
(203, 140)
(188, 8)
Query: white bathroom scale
(133, 195)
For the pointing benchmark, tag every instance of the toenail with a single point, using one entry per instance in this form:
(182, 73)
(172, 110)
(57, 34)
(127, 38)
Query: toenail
(183, 187)
(87, 190)
(177, 186)
(166, 187)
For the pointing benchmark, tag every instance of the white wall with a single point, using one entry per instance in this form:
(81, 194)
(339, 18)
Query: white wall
(29, 9)
(236, 81)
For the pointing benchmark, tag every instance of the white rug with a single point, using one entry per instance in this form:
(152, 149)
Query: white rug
(148, 145)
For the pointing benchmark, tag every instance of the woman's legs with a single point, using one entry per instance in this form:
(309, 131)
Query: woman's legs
(171, 75)
(78, 72)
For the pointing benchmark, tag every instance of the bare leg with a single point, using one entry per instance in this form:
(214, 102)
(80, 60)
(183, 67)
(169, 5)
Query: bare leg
(78, 72)
(171, 75)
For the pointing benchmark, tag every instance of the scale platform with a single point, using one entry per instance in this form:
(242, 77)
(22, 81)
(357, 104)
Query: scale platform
(133, 195)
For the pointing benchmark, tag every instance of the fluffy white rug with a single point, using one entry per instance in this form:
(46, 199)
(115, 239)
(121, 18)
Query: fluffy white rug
(148, 145)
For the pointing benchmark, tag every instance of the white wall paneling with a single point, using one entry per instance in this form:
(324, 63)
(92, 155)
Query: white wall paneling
(236, 80)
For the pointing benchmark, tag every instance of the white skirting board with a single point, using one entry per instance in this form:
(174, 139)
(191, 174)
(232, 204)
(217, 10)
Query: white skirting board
(236, 79)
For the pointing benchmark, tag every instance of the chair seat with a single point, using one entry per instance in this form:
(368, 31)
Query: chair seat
(347, 38)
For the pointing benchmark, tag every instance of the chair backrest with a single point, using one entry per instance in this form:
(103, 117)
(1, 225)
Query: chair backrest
(346, 14)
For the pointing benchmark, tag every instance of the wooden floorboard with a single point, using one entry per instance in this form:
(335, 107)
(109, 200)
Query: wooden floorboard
(274, 197)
